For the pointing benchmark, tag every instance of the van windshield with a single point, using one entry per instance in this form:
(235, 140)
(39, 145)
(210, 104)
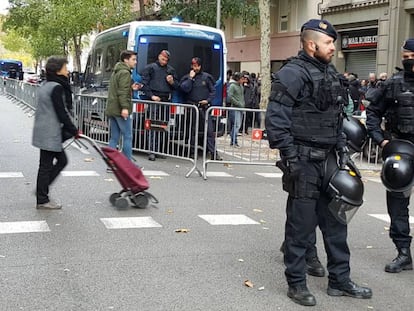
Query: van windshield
(182, 51)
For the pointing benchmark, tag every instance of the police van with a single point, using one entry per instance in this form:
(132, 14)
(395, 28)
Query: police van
(148, 38)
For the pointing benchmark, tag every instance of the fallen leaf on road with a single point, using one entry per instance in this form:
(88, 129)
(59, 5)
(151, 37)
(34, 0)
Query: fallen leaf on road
(170, 211)
(261, 288)
(256, 210)
(89, 159)
(248, 283)
(369, 246)
(108, 179)
(241, 260)
(182, 230)
(262, 221)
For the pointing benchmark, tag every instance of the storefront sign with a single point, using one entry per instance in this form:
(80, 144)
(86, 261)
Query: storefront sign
(362, 39)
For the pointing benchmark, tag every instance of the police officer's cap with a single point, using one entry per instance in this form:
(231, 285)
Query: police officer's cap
(320, 25)
(408, 45)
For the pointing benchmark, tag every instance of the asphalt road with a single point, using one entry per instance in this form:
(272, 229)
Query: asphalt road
(91, 256)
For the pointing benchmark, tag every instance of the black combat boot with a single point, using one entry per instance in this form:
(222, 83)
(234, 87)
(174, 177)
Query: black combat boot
(349, 289)
(301, 295)
(313, 265)
(402, 262)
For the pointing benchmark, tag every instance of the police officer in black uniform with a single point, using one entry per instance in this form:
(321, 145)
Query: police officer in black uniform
(304, 121)
(159, 80)
(395, 100)
(198, 87)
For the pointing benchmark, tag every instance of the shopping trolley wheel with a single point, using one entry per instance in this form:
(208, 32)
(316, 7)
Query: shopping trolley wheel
(121, 203)
(140, 200)
(113, 198)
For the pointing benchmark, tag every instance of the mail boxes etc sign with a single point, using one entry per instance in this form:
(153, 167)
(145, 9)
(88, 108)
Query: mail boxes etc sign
(363, 39)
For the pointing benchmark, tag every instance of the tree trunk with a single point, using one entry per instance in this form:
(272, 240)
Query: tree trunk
(78, 53)
(141, 9)
(264, 11)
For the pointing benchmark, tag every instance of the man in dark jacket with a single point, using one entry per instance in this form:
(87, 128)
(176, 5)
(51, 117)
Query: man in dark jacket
(159, 81)
(119, 106)
(303, 121)
(394, 100)
(52, 125)
(199, 90)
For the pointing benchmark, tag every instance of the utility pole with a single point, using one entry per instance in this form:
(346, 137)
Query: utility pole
(218, 14)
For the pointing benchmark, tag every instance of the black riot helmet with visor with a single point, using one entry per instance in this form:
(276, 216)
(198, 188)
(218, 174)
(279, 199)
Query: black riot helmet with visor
(345, 189)
(397, 174)
(356, 134)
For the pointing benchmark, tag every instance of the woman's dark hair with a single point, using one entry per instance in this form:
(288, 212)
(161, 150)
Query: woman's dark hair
(54, 64)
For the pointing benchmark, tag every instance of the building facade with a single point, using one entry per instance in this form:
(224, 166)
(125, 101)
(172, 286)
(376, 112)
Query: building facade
(370, 34)
(286, 19)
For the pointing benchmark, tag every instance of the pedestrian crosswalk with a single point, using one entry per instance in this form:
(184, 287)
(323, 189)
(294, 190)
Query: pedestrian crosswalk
(144, 222)
(111, 223)
(149, 173)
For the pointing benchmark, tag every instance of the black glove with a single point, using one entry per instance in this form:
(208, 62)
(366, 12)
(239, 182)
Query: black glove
(343, 157)
(293, 167)
(345, 160)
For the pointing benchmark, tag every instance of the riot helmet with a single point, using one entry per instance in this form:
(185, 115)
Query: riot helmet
(397, 174)
(346, 190)
(398, 146)
(356, 134)
(330, 167)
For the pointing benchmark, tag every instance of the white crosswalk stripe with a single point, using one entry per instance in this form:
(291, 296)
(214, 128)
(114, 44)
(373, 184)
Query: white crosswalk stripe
(229, 219)
(155, 173)
(218, 174)
(270, 175)
(79, 173)
(11, 175)
(23, 227)
(386, 217)
(130, 222)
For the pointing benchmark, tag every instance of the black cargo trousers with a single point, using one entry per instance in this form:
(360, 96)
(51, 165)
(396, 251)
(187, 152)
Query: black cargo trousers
(307, 207)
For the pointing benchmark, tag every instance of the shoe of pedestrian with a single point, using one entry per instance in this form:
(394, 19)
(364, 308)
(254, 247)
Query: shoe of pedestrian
(314, 267)
(217, 157)
(350, 289)
(402, 262)
(49, 205)
(151, 157)
(301, 295)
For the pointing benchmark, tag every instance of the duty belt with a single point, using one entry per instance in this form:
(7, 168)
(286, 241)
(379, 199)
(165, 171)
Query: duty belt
(313, 153)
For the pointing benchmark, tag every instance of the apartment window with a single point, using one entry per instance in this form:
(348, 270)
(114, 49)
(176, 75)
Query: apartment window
(239, 30)
(284, 11)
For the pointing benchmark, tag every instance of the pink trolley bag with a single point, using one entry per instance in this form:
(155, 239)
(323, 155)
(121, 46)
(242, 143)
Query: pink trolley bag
(133, 182)
(131, 178)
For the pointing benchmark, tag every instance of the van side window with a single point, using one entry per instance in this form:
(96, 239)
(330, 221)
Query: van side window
(111, 58)
(97, 62)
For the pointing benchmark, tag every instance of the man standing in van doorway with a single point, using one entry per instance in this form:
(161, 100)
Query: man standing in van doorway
(119, 106)
(159, 81)
(199, 88)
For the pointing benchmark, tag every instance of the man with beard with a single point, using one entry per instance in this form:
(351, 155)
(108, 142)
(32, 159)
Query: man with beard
(304, 121)
(395, 100)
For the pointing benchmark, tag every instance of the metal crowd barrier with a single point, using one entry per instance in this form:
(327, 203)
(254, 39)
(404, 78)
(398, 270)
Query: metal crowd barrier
(169, 129)
(161, 128)
(253, 148)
